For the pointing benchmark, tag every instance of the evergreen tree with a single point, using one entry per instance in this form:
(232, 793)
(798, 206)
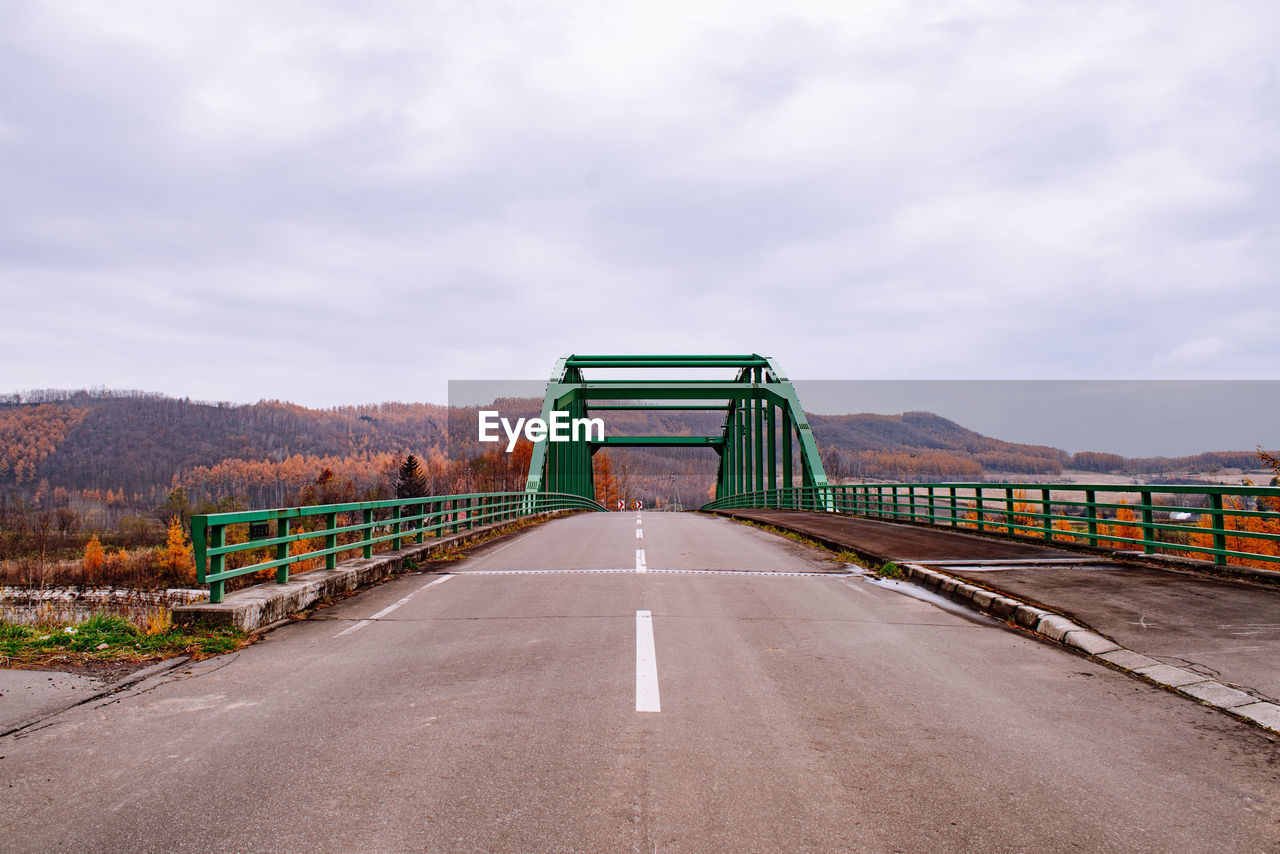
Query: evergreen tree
(411, 482)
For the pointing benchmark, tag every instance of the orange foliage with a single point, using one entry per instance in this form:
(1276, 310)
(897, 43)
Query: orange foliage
(608, 492)
(1124, 527)
(175, 558)
(29, 434)
(1063, 531)
(1021, 507)
(1243, 526)
(95, 559)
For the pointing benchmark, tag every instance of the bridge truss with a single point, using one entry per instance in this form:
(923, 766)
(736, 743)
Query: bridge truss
(764, 436)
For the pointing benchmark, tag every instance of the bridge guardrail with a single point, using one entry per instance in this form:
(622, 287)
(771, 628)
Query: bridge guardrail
(388, 521)
(1235, 524)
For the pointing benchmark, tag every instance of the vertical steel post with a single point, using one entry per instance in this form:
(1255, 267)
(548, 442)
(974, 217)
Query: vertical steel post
(330, 540)
(1219, 528)
(200, 545)
(758, 429)
(217, 563)
(395, 527)
(1008, 511)
(977, 501)
(788, 473)
(772, 441)
(1046, 508)
(1148, 518)
(1091, 511)
(282, 551)
(367, 534)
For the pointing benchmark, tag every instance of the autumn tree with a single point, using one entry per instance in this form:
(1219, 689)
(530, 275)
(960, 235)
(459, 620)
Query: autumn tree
(175, 558)
(95, 559)
(1269, 460)
(608, 490)
(410, 481)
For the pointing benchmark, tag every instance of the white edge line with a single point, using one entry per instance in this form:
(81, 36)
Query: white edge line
(647, 699)
(355, 628)
(387, 610)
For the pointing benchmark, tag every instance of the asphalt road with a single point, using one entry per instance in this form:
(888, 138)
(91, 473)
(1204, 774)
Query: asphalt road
(800, 709)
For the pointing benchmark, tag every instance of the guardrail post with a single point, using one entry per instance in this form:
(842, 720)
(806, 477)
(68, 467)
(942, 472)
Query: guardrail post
(367, 551)
(420, 510)
(1091, 509)
(933, 513)
(331, 540)
(955, 510)
(395, 527)
(1046, 508)
(217, 563)
(1219, 528)
(911, 503)
(1008, 510)
(1148, 533)
(471, 516)
(977, 503)
(282, 551)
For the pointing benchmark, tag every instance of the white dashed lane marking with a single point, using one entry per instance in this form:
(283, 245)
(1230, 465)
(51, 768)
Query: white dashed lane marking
(387, 610)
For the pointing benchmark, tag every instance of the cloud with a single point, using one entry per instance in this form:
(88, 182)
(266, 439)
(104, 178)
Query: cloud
(315, 202)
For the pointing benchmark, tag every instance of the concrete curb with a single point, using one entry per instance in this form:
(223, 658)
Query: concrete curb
(253, 609)
(1060, 629)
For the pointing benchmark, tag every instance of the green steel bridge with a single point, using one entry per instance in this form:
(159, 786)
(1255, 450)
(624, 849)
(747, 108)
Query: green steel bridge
(764, 445)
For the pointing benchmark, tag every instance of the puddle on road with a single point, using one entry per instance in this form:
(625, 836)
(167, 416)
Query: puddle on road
(915, 591)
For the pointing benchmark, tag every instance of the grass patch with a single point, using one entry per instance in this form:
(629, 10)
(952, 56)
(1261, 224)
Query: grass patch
(104, 637)
(888, 569)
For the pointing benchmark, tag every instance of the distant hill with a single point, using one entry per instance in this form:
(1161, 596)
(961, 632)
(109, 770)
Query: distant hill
(138, 442)
(922, 446)
(135, 447)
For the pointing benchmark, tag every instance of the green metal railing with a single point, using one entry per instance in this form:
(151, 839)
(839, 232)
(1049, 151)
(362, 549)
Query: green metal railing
(355, 527)
(1232, 524)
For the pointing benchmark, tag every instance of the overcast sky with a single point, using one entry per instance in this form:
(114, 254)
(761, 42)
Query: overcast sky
(338, 203)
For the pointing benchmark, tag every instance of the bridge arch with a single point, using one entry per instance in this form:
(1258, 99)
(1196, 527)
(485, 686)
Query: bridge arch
(764, 439)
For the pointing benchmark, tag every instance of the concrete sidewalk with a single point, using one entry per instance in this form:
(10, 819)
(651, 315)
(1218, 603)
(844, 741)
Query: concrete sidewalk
(1211, 628)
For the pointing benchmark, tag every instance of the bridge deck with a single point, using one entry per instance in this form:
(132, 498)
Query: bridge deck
(496, 709)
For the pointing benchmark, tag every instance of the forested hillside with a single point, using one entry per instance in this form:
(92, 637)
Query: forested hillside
(922, 446)
(99, 456)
